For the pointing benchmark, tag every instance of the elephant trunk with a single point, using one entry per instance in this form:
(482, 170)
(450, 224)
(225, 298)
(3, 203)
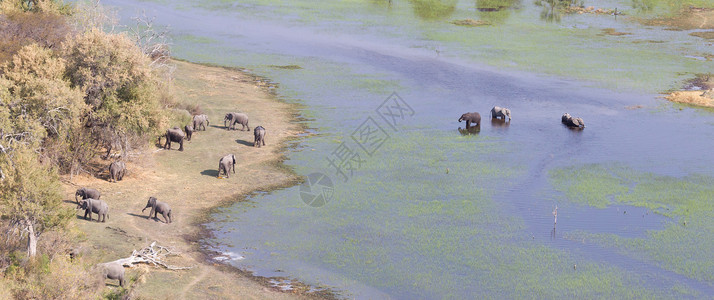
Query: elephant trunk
(461, 119)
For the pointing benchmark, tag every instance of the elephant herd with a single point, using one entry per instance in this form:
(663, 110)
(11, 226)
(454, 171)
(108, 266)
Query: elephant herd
(503, 113)
(90, 200)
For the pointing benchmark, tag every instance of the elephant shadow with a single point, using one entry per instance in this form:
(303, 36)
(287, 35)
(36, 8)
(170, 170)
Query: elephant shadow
(473, 130)
(146, 217)
(500, 123)
(210, 172)
(246, 143)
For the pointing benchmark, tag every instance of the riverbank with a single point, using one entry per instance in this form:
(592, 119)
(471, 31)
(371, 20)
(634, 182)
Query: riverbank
(187, 181)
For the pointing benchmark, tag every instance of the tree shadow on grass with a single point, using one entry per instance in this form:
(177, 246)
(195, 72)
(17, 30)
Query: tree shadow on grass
(210, 172)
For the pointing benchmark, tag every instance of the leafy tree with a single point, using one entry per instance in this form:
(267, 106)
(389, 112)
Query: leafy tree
(118, 85)
(40, 97)
(31, 198)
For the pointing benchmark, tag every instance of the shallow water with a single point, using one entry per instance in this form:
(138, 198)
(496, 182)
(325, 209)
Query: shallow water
(433, 211)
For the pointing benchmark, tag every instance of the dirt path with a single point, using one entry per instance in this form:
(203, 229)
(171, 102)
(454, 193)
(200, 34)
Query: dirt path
(187, 181)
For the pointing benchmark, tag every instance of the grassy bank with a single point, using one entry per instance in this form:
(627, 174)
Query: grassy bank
(187, 181)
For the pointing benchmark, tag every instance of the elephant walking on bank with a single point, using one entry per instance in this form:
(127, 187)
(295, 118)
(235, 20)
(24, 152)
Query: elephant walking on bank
(572, 122)
(113, 270)
(116, 171)
(158, 207)
(174, 135)
(500, 112)
(471, 117)
(200, 121)
(225, 165)
(259, 134)
(234, 118)
(86, 193)
(98, 207)
(189, 131)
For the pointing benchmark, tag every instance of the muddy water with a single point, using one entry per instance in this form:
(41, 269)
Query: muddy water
(439, 212)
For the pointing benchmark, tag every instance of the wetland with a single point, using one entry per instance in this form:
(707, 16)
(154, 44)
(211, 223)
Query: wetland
(428, 209)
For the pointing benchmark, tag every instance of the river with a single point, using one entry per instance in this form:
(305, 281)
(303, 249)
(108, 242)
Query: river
(406, 203)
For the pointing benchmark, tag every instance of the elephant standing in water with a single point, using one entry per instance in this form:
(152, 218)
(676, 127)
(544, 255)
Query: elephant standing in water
(189, 131)
(86, 193)
(234, 118)
(569, 121)
(200, 121)
(117, 170)
(114, 270)
(472, 117)
(259, 134)
(98, 207)
(174, 135)
(225, 165)
(158, 207)
(501, 112)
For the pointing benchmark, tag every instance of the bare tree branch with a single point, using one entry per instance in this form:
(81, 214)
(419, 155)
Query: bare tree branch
(152, 254)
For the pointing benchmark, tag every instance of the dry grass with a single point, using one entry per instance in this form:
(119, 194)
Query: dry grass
(187, 181)
(470, 22)
(691, 97)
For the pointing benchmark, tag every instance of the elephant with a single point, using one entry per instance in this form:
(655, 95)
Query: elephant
(117, 170)
(86, 193)
(113, 270)
(200, 121)
(158, 207)
(98, 207)
(189, 131)
(564, 119)
(234, 118)
(572, 122)
(174, 135)
(259, 134)
(225, 165)
(472, 117)
(501, 112)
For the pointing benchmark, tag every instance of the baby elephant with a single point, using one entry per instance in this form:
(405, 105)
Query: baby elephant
(158, 207)
(259, 133)
(86, 193)
(225, 165)
(98, 207)
(189, 131)
(501, 112)
(113, 271)
(116, 171)
(472, 117)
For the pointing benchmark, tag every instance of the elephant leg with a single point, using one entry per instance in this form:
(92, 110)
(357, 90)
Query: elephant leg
(181, 145)
(468, 124)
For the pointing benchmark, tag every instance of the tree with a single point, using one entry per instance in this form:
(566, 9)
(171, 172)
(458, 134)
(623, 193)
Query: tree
(31, 198)
(118, 85)
(39, 97)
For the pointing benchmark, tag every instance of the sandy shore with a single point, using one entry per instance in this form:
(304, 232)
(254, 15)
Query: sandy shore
(187, 181)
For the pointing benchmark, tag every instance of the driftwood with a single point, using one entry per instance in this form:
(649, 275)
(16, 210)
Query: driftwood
(152, 254)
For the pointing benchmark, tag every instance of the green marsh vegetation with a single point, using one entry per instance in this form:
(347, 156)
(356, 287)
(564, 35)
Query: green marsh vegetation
(682, 246)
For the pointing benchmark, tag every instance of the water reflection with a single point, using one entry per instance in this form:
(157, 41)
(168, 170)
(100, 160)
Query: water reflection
(553, 9)
(500, 123)
(473, 130)
(433, 9)
(496, 11)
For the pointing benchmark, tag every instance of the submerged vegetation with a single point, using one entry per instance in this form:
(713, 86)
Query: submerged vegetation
(683, 246)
